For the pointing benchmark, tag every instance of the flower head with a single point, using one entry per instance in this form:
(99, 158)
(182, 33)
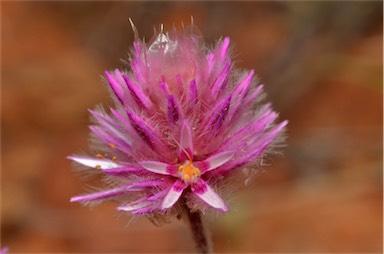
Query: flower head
(184, 119)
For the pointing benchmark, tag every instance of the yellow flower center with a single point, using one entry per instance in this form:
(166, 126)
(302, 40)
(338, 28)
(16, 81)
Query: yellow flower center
(188, 171)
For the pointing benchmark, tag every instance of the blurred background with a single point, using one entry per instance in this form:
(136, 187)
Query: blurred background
(322, 66)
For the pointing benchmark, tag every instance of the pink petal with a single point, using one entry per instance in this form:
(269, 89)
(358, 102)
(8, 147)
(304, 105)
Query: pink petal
(186, 143)
(143, 129)
(94, 163)
(211, 58)
(242, 89)
(108, 139)
(215, 119)
(164, 87)
(104, 194)
(192, 92)
(149, 183)
(224, 47)
(179, 83)
(203, 191)
(173, 109)
(240, 92)
(108, 124)
(156, 167)
(218, 159)
(174, 194)
(116, 87)
(157, 196)
(137, 93)
(219, 83)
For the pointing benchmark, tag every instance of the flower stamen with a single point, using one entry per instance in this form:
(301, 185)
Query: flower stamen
(188, 171)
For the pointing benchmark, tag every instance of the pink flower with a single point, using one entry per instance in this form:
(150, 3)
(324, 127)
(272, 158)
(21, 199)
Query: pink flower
(184, 120)
(4, 250)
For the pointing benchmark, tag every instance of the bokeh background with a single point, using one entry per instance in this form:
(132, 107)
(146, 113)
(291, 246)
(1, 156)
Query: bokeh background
(321, 63)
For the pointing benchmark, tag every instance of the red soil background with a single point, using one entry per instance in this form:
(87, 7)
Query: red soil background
(321, 63)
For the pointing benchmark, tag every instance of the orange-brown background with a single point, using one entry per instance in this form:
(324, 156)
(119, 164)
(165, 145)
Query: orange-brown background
(321, 63)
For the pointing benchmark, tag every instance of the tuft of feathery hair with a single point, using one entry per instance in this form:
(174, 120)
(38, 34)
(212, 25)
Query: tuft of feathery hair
(184, 120)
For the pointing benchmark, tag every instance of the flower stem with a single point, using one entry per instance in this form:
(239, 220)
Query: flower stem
(198, 231)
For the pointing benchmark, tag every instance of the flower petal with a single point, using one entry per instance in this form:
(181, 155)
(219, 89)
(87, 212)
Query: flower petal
(143, 129)
(240, 92)
(149, 183)
(242, 89)
(216, 118)
(224, 47)
(109, 139)
(174, 194)
(134, 205)
(109, 127)
(137, 93)
(186, 143)
(94, 163)
(164, 87)
(217, 160)
(148, 133)
(210, 60)
(203, 191)
(159, 167)
(192, 92)
(104, 194)
(116, 87)
(220, 82)
(124, 171)
(173, 109)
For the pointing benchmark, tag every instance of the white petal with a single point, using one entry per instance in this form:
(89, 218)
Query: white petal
(210, 197)
(95, 163)
(155, 167)
(219, 159)
(173, 195)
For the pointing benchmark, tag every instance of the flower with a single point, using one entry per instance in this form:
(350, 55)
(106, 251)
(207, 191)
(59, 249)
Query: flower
(184, 119)
(4, 250)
